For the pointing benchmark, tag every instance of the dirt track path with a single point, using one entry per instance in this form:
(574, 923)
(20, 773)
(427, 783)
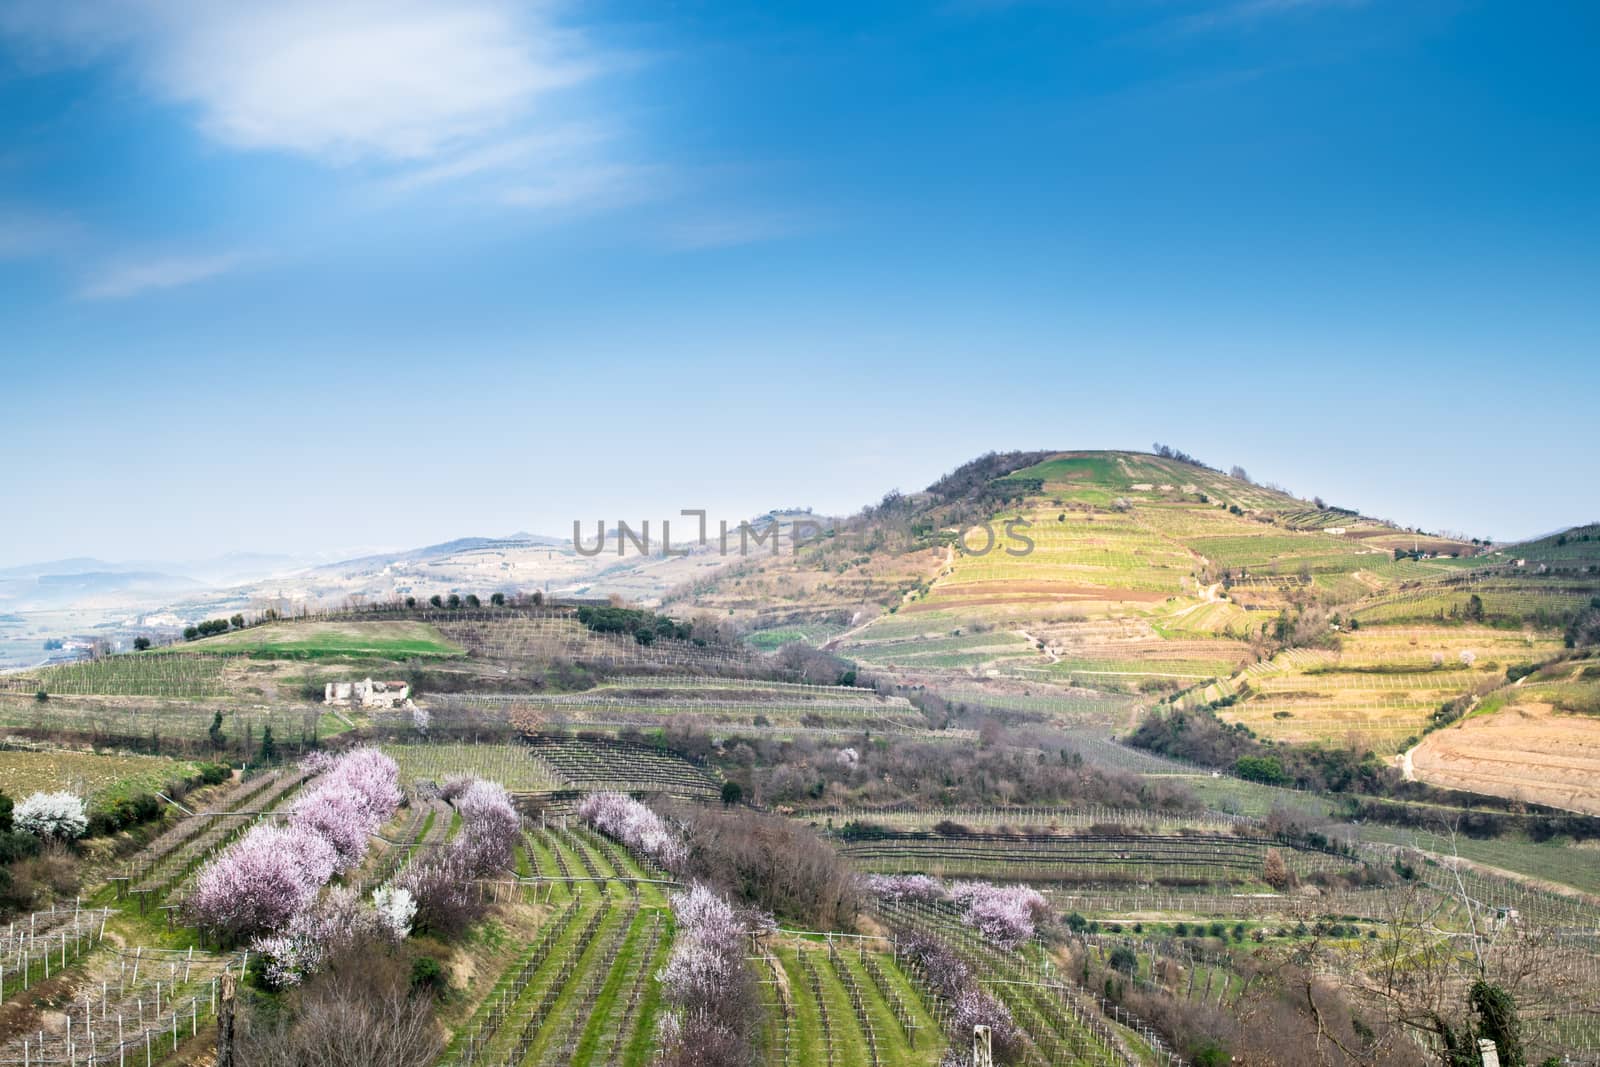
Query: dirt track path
(834, 642)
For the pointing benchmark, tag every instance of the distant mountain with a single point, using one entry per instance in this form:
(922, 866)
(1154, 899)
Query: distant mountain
(74, 588)
(78, 564)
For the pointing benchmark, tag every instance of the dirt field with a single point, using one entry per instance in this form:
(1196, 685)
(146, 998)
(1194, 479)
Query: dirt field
(1525, 751)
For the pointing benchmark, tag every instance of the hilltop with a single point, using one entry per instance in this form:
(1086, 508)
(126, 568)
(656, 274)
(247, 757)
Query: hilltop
(1132, 581)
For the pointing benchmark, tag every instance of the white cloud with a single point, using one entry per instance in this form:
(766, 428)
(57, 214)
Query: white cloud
(562, 144)
(590, 187)
(338, 80)
(162, 272)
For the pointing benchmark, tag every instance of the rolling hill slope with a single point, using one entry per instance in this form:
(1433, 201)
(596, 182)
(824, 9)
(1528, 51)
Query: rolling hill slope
(1159, 579)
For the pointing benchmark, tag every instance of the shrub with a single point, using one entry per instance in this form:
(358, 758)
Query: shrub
(1266, 769)
(362, 1010)
(426, 973)
(17, 845)
(59, 816)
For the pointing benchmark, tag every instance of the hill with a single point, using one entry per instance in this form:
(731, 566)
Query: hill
(1157, 580)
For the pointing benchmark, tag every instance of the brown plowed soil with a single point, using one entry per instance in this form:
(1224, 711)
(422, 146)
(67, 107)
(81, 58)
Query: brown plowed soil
(1526, 751)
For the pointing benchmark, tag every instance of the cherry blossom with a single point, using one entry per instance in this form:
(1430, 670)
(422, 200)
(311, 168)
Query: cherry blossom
(639, 829)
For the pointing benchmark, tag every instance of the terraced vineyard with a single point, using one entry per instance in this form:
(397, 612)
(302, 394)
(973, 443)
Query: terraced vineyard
(512, 765)
(1152, 584)
(546, 636)
(1059, 1021)
(721, 703)
(158, 871)
(1380, 686)
(86, 774)
(848, 1003)
(583, 990)
(1177, 858)
(594, 764)
(138, 721)
(157, 674)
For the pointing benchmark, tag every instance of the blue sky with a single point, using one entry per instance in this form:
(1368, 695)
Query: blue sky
(514, 264)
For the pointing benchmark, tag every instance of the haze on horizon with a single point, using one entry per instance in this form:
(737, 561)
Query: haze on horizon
(448, 269)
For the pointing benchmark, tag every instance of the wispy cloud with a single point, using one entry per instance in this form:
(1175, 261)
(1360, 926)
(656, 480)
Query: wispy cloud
(555, 147)
(1250, 12)
(131, 277)
(337, 80)
(590, 188)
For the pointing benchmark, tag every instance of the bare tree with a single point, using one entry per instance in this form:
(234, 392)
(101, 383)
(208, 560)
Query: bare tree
(359, 1013)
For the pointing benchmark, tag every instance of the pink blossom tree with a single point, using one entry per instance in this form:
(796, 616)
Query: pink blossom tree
(261, 882)
(635, 826)
(490, 827)
(1004, 915)
(713, 1008)
(897, 887)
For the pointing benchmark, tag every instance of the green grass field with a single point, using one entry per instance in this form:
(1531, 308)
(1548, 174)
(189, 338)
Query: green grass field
(380, 640)
(97, 778)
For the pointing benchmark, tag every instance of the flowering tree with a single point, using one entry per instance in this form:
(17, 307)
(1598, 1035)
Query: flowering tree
(57, 815)
(969, 1005)
(639, 829)
(370, 775)
(396, 909)
(261, 881)
(339, 817)
(896, 887)
(316, 762)
(331, 925)
(713, 1007)
(490, 827)
(1005, 915)
(440, 886)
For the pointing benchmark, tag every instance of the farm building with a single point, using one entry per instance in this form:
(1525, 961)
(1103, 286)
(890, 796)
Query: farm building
(367, 693)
